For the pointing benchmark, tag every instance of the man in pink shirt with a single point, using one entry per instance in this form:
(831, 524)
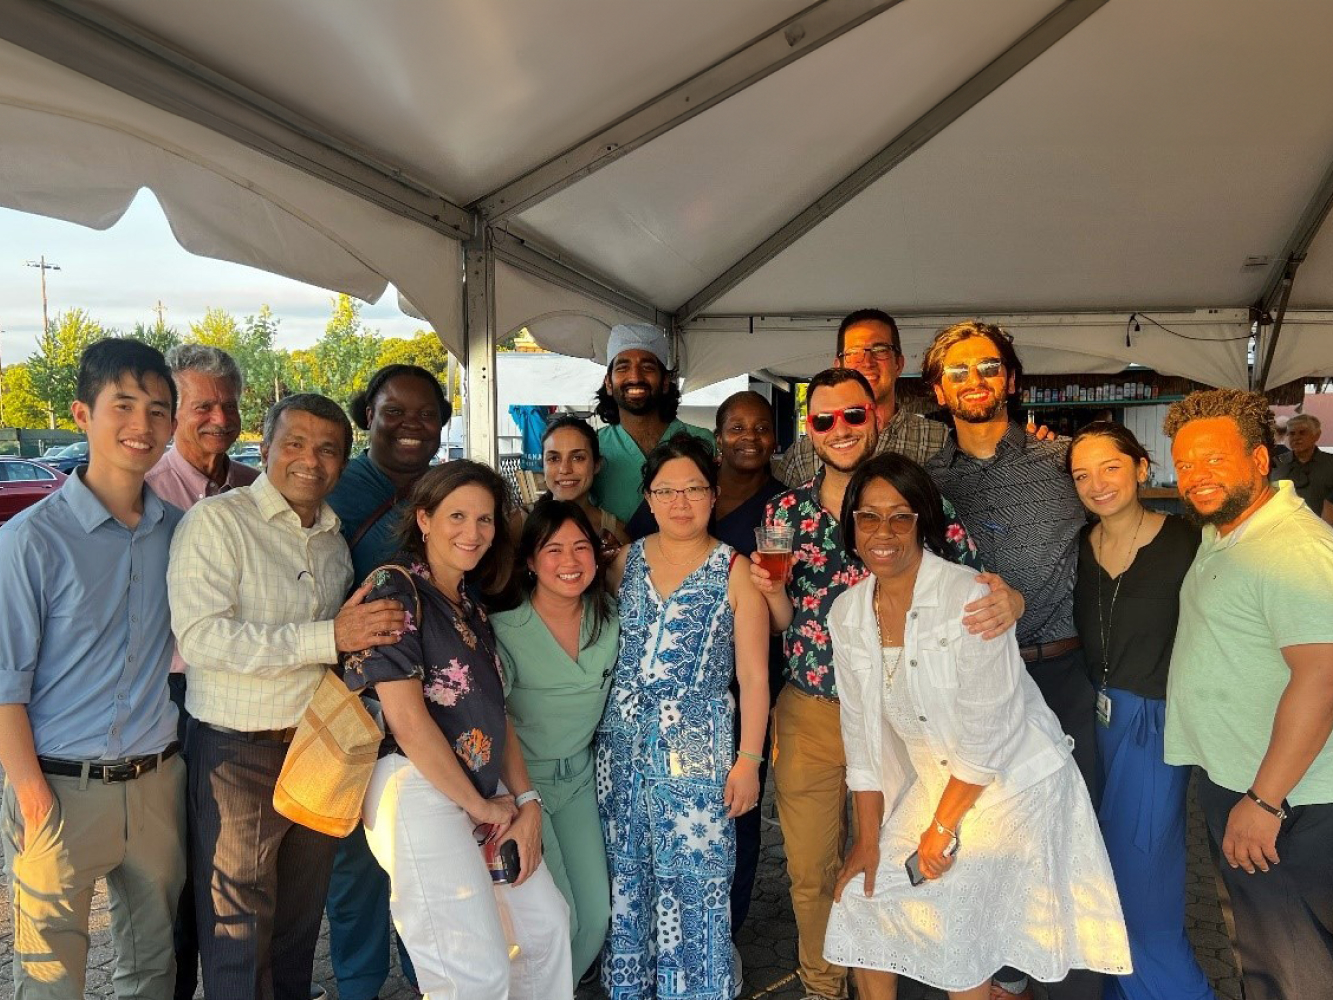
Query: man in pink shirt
(208, 421)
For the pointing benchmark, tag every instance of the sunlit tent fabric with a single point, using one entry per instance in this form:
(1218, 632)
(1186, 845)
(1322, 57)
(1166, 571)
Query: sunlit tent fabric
(745, 171)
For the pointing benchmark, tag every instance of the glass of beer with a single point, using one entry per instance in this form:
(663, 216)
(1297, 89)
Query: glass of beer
(773, 543)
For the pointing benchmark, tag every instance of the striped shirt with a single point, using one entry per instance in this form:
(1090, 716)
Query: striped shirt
(908, 434)
(253, 597)
(1021, 510)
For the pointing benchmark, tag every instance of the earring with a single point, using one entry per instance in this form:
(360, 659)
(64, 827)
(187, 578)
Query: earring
(425, 537)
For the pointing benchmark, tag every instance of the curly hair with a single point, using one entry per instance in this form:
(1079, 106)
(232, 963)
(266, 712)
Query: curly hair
(1249, 410)
(668, 403)
(932, 365)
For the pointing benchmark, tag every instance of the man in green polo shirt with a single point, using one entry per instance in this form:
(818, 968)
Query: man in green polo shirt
(1250, 694)
(638, 401)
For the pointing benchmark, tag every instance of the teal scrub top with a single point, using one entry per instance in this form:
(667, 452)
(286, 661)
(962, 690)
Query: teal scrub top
(555, 703)
(617, 486)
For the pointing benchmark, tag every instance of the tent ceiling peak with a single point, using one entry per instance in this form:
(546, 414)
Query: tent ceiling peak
(114, 53)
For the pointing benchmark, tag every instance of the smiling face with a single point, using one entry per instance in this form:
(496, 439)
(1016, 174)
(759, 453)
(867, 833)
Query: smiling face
(887, 554)
(460, 529)
(1106, 479)
(859, 344)
(128, 424)
(1219, 478)
(304, 460)
(746, 439)
(679, 517)
(567, 464)
(975, 399)
(208, 416)
(566, 564)
(636, 381)
(405, 425)
(843, 447)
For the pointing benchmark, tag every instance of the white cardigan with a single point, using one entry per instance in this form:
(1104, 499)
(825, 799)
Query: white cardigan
(985, 719)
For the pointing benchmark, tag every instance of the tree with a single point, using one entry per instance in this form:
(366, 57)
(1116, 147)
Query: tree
(218, 328)
(424, 349)
(346, 355)
(22, 406)
(251, 345)
(158, 335)
(54, 368)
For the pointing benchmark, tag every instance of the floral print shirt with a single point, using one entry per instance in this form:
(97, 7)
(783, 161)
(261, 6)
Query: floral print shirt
(820, 572)
(452, 651)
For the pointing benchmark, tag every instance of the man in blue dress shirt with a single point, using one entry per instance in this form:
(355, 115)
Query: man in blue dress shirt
(94, 783)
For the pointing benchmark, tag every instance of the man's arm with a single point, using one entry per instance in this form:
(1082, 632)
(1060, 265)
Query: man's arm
(18, 757)
(1301, 729)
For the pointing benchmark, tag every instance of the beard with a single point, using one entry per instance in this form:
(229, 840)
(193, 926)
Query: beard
(648, 404)
(978, 413)
(1237, 500)
(845, 461)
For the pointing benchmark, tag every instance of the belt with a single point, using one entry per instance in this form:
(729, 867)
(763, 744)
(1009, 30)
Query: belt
(388, 747)
(257, 736)
(1050, 650)
(109, 771)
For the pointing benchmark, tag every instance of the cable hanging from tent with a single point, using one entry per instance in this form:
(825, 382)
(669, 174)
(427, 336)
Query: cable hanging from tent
(1133, 323)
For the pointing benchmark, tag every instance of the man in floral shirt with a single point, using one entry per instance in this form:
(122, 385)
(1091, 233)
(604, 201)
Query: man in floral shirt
(808, 762)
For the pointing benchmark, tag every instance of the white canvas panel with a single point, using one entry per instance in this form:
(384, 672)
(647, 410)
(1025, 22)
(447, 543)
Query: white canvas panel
(77, 150)
(1304, 347)
(1313, 287)
(559, 319)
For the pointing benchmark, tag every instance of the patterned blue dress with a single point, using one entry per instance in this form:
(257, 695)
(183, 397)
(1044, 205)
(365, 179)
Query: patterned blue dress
(664, 749)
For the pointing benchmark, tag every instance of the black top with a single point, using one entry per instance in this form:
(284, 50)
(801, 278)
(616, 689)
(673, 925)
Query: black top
(1142, 626)
(452, 651)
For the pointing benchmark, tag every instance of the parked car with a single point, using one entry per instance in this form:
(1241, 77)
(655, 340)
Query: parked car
(71, 457)
(51, 452)
(24, 481)
(247, 454)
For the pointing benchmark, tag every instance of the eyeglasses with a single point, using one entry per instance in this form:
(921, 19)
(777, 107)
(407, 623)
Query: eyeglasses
(986, 368)
(869, 521)
(852, 416)
(879, 352)
(694, 494)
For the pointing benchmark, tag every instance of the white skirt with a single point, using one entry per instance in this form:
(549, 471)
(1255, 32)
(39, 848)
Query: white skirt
(1031, 888)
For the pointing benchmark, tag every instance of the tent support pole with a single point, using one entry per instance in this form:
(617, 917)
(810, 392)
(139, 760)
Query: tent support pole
(1064, 19)
(1270, 342)
(780, 46)
(479, 340)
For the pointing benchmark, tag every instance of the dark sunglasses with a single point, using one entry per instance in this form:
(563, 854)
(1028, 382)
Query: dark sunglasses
(986, 368)
(852, 416)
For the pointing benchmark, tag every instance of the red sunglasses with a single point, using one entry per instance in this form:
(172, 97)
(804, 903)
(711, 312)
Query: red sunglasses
(852, 416)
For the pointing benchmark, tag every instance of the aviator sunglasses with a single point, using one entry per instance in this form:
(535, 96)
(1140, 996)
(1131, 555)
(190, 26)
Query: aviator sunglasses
(986, 368)
(852, 416)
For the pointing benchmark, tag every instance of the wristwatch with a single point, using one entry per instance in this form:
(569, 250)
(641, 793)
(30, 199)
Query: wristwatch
(531, 795)
(1279, 811)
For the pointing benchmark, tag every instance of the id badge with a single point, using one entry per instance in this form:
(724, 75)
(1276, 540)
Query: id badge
(1104, 708)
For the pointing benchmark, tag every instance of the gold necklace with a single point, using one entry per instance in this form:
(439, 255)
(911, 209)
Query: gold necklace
(889, 674)
(661, 551)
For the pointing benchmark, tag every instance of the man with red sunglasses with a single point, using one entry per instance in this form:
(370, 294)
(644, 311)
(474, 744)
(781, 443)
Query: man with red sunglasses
(868, 343)
(809, 767)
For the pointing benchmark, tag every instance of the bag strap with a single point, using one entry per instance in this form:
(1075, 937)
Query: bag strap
(416, 597)
(372, 519)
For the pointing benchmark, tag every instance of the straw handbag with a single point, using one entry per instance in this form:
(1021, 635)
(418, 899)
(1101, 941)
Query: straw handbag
(328, 765)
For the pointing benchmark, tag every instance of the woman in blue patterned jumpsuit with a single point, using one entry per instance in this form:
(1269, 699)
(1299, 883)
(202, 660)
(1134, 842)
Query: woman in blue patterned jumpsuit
(669, 783)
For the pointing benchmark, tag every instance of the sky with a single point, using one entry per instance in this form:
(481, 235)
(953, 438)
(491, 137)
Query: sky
(119, 275)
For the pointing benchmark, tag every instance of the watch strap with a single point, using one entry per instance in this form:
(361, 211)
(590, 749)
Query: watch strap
(531, 795)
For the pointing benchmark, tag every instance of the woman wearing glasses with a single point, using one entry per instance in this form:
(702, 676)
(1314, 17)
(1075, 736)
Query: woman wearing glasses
(976, 843)
(669, 778)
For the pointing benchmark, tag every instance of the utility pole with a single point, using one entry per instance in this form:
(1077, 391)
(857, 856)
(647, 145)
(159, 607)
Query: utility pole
(43, 266)
(160, 309)
(2, 379)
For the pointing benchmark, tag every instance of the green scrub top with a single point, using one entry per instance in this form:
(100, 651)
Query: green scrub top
(554, 702)
(617, 486)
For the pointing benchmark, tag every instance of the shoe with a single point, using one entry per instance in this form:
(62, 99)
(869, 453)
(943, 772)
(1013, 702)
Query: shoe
(591, 974)
(998, 992)
(736, 965)
(317, 992)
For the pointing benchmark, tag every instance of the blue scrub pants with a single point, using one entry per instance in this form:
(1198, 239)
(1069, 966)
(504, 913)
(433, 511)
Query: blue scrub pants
(359, 926)
(1143, 823)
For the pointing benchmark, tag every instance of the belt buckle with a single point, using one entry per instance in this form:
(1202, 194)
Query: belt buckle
(124, 771)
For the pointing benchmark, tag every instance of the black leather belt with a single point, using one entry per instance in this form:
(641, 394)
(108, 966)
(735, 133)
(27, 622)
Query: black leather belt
(1049, 650)
(255, 736)
(108, 771)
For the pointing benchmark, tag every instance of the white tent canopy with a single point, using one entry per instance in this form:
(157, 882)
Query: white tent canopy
(741, 172)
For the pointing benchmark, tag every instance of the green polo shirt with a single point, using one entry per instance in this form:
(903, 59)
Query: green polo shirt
(1267, 585)
(617, 486)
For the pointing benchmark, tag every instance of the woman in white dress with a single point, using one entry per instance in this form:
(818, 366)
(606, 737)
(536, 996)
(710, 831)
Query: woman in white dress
(952, 756)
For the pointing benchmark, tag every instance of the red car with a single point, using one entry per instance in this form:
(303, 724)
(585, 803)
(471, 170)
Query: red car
(24, 481)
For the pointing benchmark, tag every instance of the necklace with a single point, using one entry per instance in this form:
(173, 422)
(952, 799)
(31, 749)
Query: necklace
(689, 561)
(1104, 620)
(879, 627)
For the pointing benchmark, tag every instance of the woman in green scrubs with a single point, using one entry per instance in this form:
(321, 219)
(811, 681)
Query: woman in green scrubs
(558, 648)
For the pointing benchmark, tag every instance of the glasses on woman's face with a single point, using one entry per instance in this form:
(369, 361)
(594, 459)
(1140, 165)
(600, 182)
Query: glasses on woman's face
(852, 416)
(868, 522)
(986, 368)
(694, 494)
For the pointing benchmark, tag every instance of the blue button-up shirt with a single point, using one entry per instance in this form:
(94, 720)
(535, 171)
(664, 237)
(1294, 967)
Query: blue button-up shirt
(86, 642)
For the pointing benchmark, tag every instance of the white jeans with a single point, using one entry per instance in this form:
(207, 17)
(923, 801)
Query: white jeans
(457, 925)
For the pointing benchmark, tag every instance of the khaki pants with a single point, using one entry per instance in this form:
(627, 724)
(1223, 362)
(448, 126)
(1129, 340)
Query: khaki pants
(129, 832)
(810, 771)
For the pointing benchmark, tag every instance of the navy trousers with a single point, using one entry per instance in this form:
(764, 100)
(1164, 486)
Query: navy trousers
(1143, 823)
(1284, 916)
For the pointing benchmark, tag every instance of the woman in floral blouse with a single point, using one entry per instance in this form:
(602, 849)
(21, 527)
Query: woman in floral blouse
(451, 761)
